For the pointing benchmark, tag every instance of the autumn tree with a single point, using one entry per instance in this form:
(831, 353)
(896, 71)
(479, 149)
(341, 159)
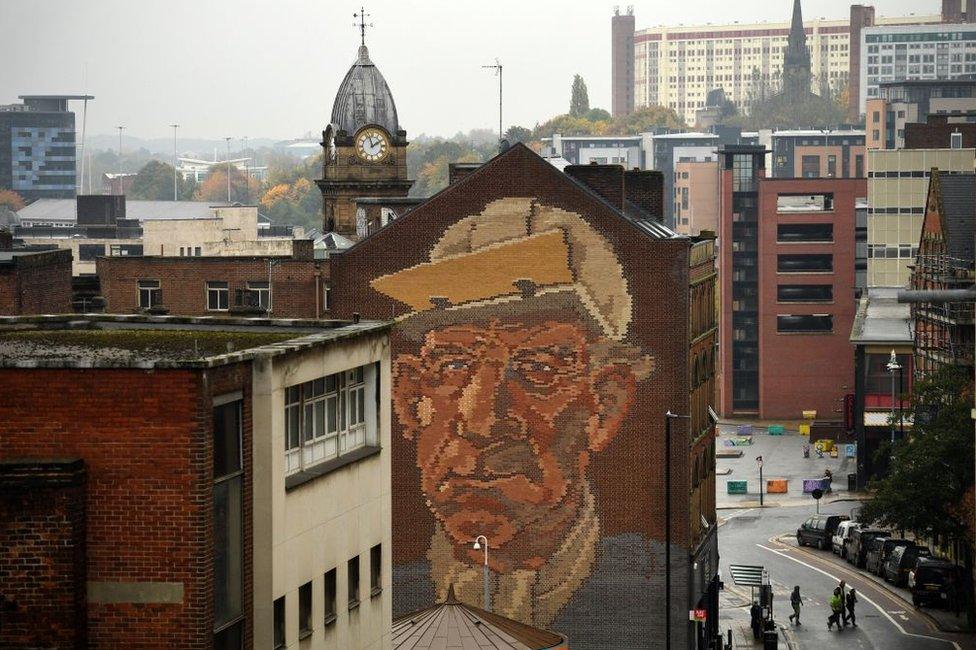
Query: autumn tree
(579, 103)
(243, 189)
(518, 134)
(12, 200)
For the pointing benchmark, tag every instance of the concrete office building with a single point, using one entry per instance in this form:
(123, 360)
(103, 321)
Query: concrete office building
(900, 103)
(37, 146)
(211, 485)
(696, 198)
(915, 52)
(898, 183)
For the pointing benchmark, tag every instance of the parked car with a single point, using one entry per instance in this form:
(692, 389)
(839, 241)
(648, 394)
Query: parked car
(875, 562)
(858, 548)
(901, 561)
(842, 537)
(818, 530)
(936, 582)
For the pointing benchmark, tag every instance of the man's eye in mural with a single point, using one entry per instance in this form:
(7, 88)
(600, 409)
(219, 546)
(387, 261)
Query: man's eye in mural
(544, 368)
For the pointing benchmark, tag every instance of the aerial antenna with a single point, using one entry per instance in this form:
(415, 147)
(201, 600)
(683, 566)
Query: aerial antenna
(362, 24)
(498, 71)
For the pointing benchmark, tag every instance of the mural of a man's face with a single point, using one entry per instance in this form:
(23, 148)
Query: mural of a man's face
(505, 414)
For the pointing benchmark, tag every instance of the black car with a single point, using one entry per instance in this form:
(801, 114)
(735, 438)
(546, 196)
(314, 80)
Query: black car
(858, 550)
(818, 530)
(936, 582)
(875, 563)
(901, 561)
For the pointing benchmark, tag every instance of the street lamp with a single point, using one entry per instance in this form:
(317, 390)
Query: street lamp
(893, 366)
(667, 523)
(759, 460)
(175, 161)
(228, 169)
(477, 547)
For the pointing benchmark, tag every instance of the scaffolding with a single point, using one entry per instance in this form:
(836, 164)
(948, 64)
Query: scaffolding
(943, 330)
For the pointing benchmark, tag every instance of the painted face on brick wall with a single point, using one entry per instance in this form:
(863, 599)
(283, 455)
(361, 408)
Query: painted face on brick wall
(519, 377)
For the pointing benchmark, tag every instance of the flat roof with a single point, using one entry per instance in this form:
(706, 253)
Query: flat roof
(143, 341)
(55, 97)
(880, 318)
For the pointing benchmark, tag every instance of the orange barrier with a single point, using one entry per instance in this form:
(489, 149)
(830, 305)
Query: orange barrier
(776, 486)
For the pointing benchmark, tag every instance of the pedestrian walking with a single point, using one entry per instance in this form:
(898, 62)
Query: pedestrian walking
(843, 600)
(836, 608)
(755, 613)
(851, 601)
(796, 601)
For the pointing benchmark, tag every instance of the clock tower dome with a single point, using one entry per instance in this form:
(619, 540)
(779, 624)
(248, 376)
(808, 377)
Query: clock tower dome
(365, 149)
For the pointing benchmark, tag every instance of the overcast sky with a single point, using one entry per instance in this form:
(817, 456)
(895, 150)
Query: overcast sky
(270, 68)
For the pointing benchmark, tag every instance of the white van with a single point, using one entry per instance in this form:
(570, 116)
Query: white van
(842, 537)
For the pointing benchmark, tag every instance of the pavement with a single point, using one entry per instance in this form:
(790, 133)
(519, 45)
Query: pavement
(765, 536)
(782, 459)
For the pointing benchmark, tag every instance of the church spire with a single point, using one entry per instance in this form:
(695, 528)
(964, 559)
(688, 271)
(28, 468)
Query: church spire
(796, 61)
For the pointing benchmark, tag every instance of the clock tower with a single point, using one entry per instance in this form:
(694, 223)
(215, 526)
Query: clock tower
(365, 149)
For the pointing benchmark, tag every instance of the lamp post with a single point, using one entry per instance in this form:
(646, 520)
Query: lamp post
(667, 524)
(228, 169)
(121, 185)
(892, 366)
(759, 460)
(175, 154)
(477, 547)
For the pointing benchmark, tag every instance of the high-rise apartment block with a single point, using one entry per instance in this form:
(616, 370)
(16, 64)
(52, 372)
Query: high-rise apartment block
(909, 52)
(37, 146)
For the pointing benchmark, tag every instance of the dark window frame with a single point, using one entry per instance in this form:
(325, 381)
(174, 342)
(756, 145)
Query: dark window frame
(352, 582)
(376, 570)
(305, 628)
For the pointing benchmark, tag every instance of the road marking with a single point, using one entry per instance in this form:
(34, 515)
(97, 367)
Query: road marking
(863, 597)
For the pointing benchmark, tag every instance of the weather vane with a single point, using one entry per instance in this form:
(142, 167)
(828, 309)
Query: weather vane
(362, 24)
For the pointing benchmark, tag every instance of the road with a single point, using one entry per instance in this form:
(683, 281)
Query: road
(764, 537)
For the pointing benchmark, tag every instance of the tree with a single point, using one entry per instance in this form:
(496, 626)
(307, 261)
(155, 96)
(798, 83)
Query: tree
(10, 199)
(518, 134)
(647, 119)
(154, 182)
(579, 103)
(597, 115)
(295, 204)
(214, 187)
(928, 488)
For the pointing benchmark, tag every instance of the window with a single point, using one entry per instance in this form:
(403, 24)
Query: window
(218, 294)
(329, 596)
(261, 294)
(181, 251)
(743, 178)
(88, 252)
(305, 611)
(375, 570)
(955, 140)
(326, 297)
(326, 417)
(810, 166)
(196, 251)
(279, 623)
(228, 555)
(352, 574)
(804, 263)
(812, 323)
(805, 293)
(859, 166)
(804, 232)
(831, 166)
(150, 295)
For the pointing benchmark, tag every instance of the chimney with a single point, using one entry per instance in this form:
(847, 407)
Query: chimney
(459, 171)
(6, 240)
(605, 180)
(646, 190)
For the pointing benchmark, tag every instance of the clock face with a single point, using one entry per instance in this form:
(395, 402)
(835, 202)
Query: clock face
(372, 145)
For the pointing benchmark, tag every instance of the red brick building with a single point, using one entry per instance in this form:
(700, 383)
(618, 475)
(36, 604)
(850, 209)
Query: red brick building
(214, 286)
(34, 282)
(128, 481)
(543, 332)
(788, 290)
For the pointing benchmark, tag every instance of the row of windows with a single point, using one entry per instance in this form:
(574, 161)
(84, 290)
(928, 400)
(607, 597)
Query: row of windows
(805, 263)
(789, 233)
(306, 626)
(217, 293)
(804, 293)
(327, 417)
(898, 251)
(808, 323)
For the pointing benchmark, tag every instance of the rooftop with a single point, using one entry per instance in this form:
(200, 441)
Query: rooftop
(139, 341)
(882, 319)
(453, 624)
(66, 210)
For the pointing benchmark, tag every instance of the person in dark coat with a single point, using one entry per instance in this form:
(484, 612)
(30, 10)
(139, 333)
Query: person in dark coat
(851, 601)
(755, 614)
